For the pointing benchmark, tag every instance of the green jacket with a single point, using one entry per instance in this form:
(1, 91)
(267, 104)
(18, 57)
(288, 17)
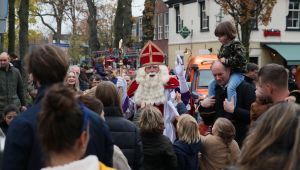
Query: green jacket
(11, 88)
(235, 56)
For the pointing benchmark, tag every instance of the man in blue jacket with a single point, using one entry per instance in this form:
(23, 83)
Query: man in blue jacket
(48, 64)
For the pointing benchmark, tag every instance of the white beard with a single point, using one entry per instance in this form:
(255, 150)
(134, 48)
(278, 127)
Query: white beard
(151, 89)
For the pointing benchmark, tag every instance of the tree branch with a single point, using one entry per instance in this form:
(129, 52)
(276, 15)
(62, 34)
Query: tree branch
(46, 24)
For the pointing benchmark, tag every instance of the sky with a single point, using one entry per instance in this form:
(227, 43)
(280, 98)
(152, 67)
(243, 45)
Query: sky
(137, 7)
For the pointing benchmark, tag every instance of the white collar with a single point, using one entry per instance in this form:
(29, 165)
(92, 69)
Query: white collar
(88, 163)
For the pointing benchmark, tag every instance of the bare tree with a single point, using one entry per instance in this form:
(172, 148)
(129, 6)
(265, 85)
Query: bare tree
(243, 11)
(92, 22)
(23, 33)
(57, 10)
(106, 13)
(11, 26)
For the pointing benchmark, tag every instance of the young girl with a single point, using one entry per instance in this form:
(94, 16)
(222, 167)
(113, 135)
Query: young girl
(63, 129)
(157, 148)
(232, 54)
(188, 144)
(219, 149)
(9, 113)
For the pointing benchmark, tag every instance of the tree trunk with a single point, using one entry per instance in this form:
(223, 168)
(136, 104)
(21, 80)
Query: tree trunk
(246, 33)
(58, 30)
(73, 17)
(127, 29)
(118, 24)
(92, 22)
(1, 42)
(148, 15)
(11, 26)
(23, 34)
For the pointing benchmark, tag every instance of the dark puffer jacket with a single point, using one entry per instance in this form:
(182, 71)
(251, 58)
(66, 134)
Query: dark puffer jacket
(126, 136)
(158, 152)
(187, 155)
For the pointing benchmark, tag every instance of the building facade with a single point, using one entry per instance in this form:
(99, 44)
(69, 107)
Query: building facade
(278, 42)
(161, 26)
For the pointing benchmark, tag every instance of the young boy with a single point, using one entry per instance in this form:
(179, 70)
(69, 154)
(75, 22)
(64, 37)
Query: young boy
(232, 54)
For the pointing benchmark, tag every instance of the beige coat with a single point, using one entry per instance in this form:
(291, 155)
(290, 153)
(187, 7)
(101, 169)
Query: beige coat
(215, 153)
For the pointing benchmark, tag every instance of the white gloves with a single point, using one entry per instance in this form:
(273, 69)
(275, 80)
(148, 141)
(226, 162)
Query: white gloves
(179, 66)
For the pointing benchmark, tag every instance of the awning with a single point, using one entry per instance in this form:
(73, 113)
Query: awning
(290, 52)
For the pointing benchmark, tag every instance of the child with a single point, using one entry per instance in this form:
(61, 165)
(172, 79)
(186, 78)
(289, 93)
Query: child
(188, 145)
(157, 148)
(219, 149)
(9, 113)
(232, 54)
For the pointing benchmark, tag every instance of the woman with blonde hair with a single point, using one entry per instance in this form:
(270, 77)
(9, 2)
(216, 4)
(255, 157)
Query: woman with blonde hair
(219, 149)
(72, 80)
(157, 148)
(188, 144)
(274, 143)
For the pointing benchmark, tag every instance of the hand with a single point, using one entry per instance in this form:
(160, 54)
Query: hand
(222, 60)
(229, 105)
(291, 99)
(208, 102)
(179, 67)
(23, 108)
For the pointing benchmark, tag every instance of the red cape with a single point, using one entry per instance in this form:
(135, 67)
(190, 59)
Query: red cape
(171, 84)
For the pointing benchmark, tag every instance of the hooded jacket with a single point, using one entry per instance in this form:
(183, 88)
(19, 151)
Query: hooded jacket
(187, 155)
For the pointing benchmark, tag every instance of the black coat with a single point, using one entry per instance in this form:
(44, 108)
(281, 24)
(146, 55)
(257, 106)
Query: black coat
(22, 147)
(187, 155)
(241, 115)
(250, 81)
(126, 136)
(158, 153)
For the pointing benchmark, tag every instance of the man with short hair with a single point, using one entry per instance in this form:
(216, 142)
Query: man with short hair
(218, 106)
(251, 73)
(22, 146)
(11, 86)
(272, 87)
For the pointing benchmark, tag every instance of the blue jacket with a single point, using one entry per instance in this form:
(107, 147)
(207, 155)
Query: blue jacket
(187, 155)
(22, 147)
(100, 70)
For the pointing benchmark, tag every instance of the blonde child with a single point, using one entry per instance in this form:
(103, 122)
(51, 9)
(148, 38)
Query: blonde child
(188, 144)
(157, 148)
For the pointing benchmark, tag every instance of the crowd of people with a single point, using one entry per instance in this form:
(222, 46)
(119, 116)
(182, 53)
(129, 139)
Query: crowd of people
(113, 119)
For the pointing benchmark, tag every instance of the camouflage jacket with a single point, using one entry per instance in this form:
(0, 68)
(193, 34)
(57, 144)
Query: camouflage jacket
(235, 56)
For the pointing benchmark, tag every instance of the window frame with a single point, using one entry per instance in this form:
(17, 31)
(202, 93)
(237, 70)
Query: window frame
(160, 22)
(140, 28)
(166, 25)
(179, 22)
(202, 15)
(155, 27)
(293, 28)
